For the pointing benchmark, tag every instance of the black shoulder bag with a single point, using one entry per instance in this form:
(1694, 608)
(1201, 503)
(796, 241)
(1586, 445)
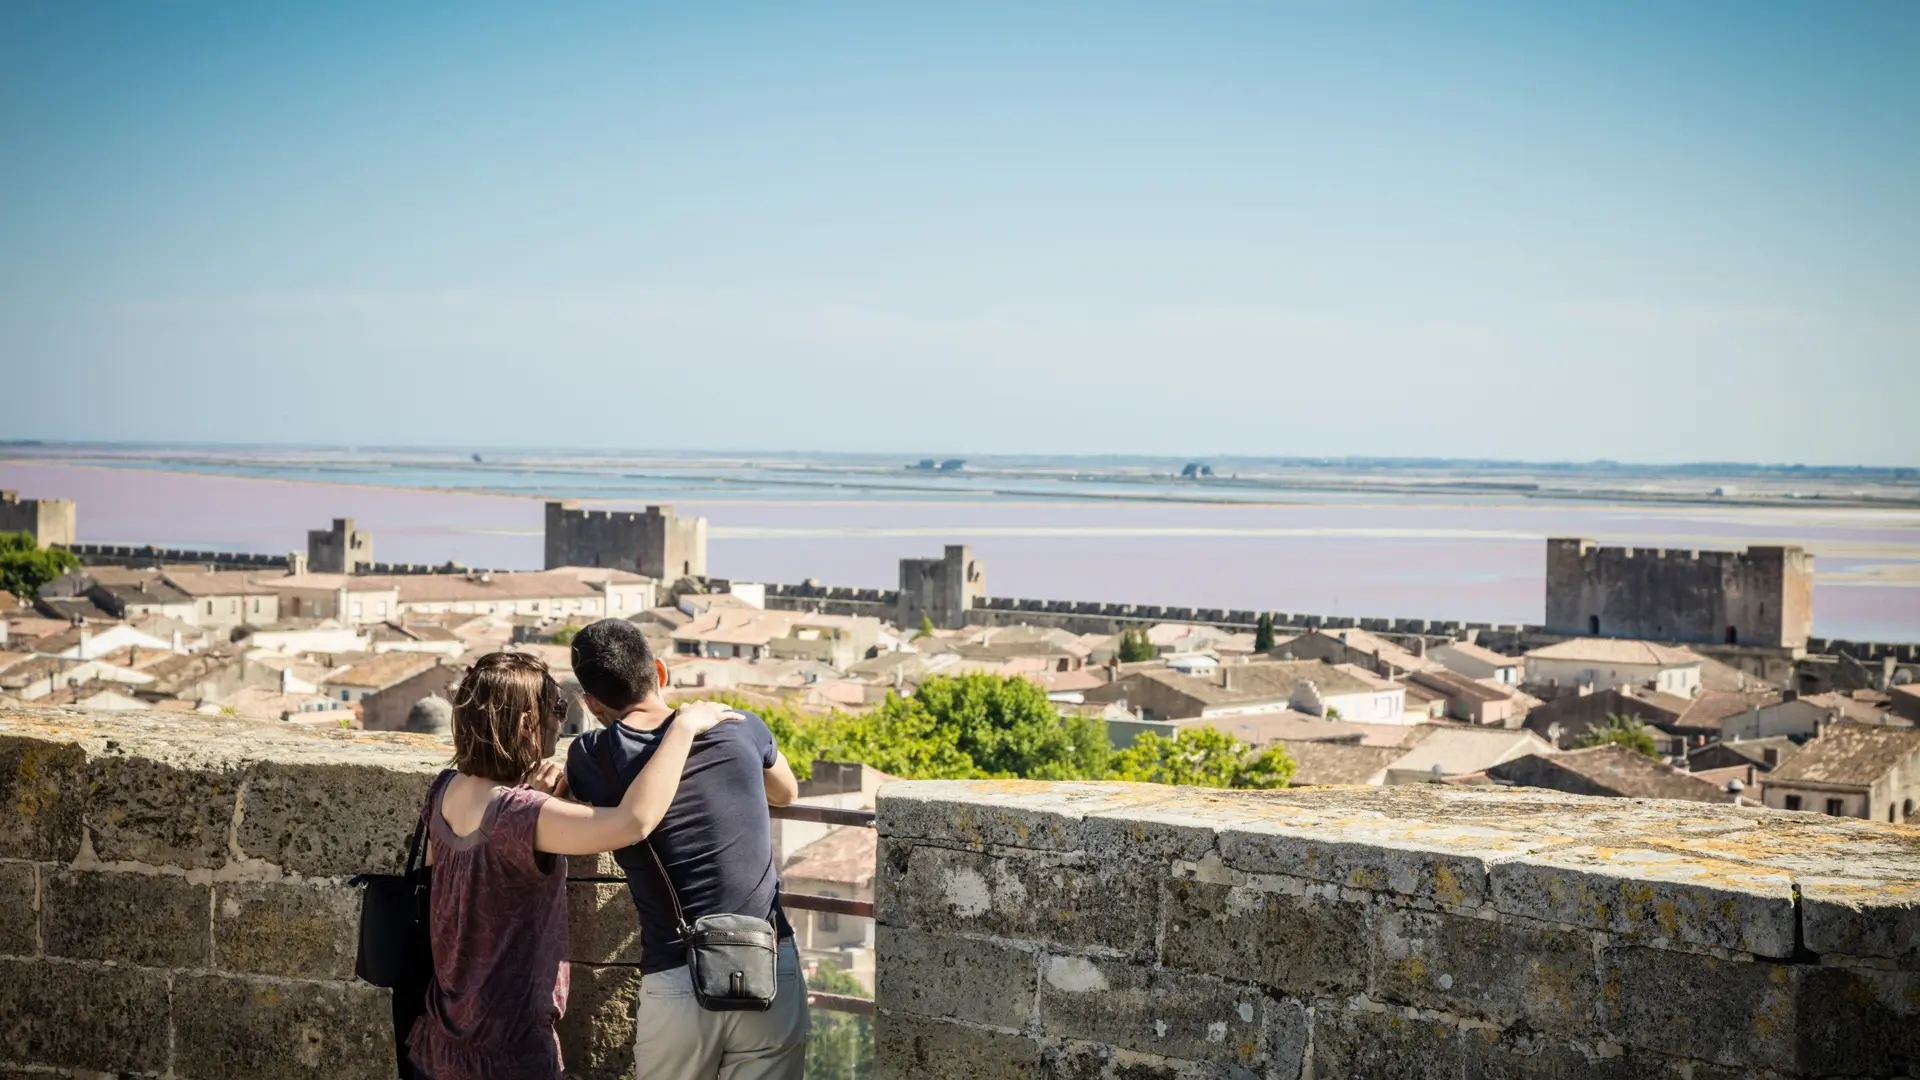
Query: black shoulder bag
(733, 961)
(396, 946)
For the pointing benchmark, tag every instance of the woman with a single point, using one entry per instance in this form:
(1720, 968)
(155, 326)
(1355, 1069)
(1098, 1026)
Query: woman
(496, 841)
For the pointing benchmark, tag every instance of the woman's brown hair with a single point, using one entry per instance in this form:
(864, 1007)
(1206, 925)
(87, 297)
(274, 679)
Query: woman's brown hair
(506, 714)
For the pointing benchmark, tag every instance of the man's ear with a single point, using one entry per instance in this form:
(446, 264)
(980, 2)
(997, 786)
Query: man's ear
(660, 674)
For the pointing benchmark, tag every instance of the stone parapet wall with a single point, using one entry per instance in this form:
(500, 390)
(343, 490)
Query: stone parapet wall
(1123, 932)
(173, 900)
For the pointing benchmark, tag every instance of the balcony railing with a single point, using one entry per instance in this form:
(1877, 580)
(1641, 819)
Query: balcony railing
(828, 815)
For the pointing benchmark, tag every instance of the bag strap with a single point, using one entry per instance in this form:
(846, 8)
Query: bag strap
(603, 755)
(418, 843)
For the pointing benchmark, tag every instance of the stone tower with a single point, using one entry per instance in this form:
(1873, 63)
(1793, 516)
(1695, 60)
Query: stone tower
(942, 589)
(657, 543)
(342, 549)
(49, 521)
(1762, 596)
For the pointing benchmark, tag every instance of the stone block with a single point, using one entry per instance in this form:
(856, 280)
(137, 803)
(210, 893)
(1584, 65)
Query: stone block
(275, 1029)
(1730, 1012)
(19, 909)
(157, 920)
(171, 813)
(1035, 815)
(1289, 1034)
(1060, 899)
(1850, 917)
(1532, 1055)
(1444, 865)
(1855, 1021)
(1183, 825)
(1496, 969)
(596, 1035)
(909, 1047)
(602, 925)
(1806, 846)
(953, 978)
(330, 819)
(1303, 945)
(1158, 1011)
(83, 1016)
(300, 931)
(1362, 1044)
(1091, 1061)
(43, 783)
(1657, 897)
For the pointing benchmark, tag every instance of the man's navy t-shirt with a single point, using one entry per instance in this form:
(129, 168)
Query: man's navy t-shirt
(715, 838)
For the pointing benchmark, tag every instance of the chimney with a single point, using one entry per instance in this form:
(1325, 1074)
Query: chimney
(296, 563)
(179, 642)
(86, 643)
(1226, 677)
(340, 605)
(286, 680)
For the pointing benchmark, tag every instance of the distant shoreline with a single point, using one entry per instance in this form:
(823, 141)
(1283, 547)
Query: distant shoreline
(1117, 486)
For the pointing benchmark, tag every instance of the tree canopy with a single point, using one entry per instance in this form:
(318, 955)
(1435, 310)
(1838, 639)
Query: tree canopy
(1263, 632)
(1134, 646)
(1202, 757)
(25, 565)
(990, 726)
(1624, 731)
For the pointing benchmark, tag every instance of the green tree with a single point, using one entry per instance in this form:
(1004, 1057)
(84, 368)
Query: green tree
(25, 565)
(564, 635)
(926, 627)
(900, 738)
(1202, 757)
(840, 1046)
(1622, 731)
(1263, 632)
(1134, 646)
(1009, 728)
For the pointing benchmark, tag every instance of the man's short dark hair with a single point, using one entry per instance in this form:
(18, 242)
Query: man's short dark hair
(613, 663)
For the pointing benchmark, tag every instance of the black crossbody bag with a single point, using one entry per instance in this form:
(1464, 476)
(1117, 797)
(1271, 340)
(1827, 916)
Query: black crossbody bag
(396, 944)
(733, 960)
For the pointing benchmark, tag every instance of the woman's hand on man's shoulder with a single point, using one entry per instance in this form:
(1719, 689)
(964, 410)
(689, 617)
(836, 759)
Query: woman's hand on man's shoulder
(700, 717)
(548, 777)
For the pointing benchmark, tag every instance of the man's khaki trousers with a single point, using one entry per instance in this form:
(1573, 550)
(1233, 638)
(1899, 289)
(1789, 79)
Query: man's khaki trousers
(676, 1039)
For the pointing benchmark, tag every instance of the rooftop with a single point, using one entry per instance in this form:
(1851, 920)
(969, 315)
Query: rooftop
(1617, 651)
(1615, 770)
(1269, 680)
(1339, 763)
(1474, 651)
(381, 670)
(1848, 754)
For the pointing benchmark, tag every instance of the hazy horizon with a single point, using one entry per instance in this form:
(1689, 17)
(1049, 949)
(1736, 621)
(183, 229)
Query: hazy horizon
(918, 454)
(1491, 231)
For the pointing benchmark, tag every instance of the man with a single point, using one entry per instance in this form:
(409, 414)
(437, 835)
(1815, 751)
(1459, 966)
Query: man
(716, 845)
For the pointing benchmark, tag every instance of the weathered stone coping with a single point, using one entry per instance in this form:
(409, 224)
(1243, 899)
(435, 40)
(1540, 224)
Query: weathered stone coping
(1108, 931)
(1764, 882)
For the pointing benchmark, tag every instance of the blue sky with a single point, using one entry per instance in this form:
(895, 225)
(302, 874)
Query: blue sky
(1544, 231)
